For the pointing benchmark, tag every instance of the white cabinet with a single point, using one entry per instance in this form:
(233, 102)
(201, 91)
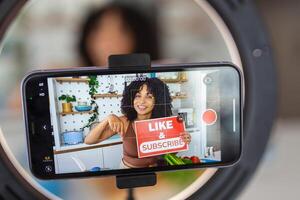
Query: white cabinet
(104, 157)
(70, 162)
(196, 145)
(112, 156)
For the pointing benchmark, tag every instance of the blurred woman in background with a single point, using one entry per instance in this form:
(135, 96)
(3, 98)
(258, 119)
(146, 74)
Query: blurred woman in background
(112, 29)
(116, 29)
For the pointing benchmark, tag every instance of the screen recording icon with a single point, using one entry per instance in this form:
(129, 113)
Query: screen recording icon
(209, 117)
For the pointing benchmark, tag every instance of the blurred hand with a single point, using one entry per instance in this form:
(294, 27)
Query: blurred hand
(186, 137)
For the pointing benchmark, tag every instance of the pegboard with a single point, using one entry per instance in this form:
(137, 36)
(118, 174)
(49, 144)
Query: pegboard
(81, 91)
(106, 105)
(110, 105)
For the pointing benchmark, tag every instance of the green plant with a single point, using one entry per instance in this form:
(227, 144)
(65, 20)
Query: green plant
(67, 98)
(93, 86)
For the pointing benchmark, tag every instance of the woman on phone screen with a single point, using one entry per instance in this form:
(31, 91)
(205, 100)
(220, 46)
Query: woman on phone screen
(142, 99)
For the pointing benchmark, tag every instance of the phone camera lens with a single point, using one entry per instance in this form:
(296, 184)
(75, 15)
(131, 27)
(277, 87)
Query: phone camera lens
(207, 80)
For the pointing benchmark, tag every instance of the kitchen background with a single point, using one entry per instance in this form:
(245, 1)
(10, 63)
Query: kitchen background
(188, 100)
(46, 34)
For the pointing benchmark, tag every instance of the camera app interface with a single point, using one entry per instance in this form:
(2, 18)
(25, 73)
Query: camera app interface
(123, 121)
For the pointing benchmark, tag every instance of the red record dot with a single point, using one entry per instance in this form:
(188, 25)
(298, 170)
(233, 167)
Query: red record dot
(209, 117)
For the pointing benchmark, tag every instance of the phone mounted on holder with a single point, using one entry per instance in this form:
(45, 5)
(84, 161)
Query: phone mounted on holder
(130, 62)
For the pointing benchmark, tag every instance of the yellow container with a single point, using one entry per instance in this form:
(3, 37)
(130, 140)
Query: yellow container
(67, 107)
(183, 76)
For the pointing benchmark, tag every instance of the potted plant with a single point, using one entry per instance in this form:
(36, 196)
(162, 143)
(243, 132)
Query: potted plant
(67, 105)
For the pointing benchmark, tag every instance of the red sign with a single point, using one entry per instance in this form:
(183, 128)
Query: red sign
(159, 136)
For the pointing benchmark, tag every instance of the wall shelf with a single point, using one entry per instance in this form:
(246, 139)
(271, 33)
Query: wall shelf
(75, 112)
(85, 80)
(178, 80)
(179, 97)
(79, 80)
(107, 95)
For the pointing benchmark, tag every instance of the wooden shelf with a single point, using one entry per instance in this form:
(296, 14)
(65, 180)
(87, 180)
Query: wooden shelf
(179, 97)
(120, 95)
(107, 95)
(85, 80)
(75, 113)
(174, 80)
(82, 80)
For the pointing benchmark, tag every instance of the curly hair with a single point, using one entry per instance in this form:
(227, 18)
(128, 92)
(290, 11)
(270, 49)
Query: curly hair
(157, 88)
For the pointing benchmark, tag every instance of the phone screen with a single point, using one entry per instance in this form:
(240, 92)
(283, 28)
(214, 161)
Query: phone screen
(112, 122)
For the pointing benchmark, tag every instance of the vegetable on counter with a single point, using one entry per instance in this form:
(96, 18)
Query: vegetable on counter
(172, 159)
(195, 159)
(187, 161)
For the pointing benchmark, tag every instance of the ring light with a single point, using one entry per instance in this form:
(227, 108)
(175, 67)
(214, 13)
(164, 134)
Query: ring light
(249, 47)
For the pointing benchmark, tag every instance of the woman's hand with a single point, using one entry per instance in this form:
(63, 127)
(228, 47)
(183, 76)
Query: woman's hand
(116, 125)
(186, 137)
(105, 129)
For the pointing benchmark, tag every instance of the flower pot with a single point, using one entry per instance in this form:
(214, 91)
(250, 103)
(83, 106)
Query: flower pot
(67, 107)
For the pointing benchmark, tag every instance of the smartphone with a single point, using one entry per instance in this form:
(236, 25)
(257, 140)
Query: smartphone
(92, 121)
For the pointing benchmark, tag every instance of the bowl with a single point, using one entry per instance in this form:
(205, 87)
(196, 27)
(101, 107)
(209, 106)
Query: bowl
(72, 137)
(82, 103)
(83, 108)
(95, 169)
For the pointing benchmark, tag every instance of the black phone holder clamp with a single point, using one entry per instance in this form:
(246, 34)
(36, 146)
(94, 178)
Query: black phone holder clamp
(131, 62)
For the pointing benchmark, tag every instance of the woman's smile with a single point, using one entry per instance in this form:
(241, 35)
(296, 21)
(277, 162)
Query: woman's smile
(144, 103)
(141, 107)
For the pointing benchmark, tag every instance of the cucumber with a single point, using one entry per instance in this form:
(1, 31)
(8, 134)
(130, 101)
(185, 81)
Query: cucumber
(176, 160)
(179, 160)
(173, 159)
(187, 161)
(169, 161)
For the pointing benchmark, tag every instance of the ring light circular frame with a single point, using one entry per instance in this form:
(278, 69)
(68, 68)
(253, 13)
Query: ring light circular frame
(243, 33)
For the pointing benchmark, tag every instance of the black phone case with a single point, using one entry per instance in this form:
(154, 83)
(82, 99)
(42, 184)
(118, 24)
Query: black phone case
(81, 71)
